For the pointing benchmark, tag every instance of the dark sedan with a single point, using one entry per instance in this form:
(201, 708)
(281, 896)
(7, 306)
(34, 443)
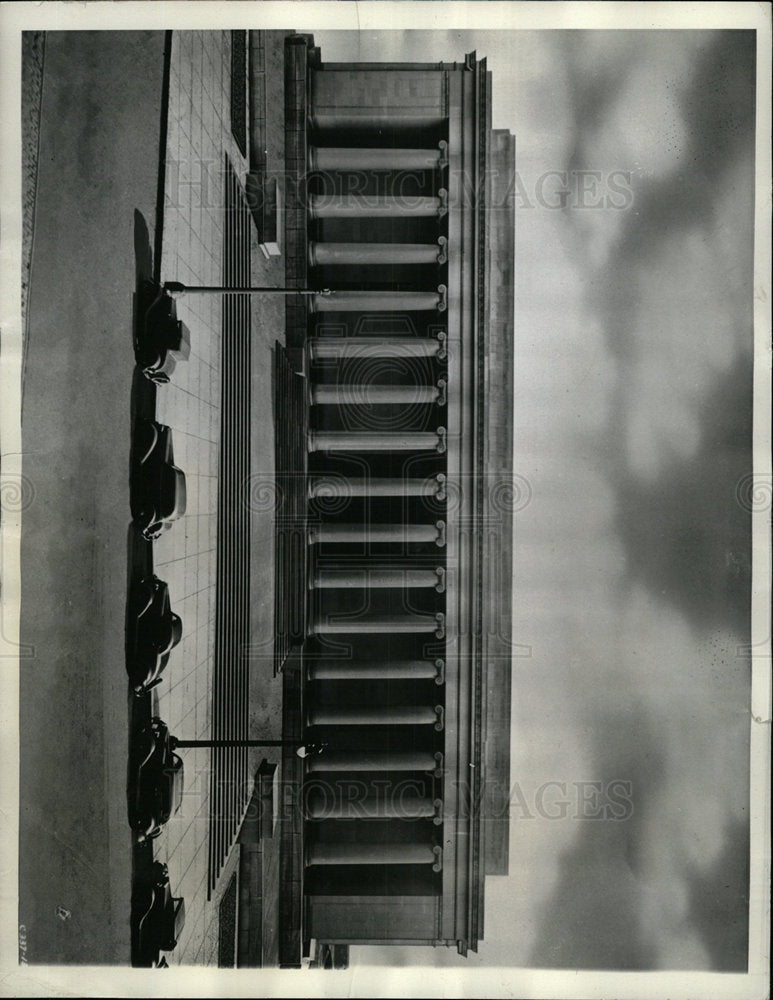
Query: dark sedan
(155, 784)
(158, 918)
(153, 630)
(158, 495)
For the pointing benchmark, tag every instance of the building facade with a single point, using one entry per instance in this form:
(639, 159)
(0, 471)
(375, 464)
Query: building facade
(394, 524)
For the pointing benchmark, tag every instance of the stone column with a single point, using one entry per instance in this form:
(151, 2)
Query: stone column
(359, 853)
(382, 118)
(360, 206)
(378, 441)
(325, 254)
(374, 715)
(340, 670)
(324, 487)
(364, 760)
(325, 158)
(355, 301)
(351, 348)
(345, 394)
(336, 531)
(408, 806)
(374, 577)
(381, 625)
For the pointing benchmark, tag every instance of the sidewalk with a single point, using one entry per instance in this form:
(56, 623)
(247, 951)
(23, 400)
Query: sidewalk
(199, 138)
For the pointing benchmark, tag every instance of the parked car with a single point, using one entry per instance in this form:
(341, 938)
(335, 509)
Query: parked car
(160, 338)
(153, 630)
(158, 919)
(155, 785)
(158, 495)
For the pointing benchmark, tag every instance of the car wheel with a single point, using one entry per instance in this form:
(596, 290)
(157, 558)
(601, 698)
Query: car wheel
(152, 528)
(144, 688)
(160, 874)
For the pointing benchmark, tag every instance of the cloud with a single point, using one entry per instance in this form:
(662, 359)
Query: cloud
(641, 676)
(591, 920)
(716, 906)
(717, 109)
(686, 534)
(670, 716)
(673, 295)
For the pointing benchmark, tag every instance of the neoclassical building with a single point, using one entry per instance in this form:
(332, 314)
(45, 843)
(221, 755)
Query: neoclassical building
(394, 521)
(322, 420)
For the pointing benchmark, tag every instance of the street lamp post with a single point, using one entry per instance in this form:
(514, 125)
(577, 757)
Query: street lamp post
(177, 289)
(301, 750)
(161, 340)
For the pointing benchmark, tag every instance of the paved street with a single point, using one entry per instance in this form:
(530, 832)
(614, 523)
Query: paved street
(99, 168)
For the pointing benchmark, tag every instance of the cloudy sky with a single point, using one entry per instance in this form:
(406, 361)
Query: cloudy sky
(633, 427)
